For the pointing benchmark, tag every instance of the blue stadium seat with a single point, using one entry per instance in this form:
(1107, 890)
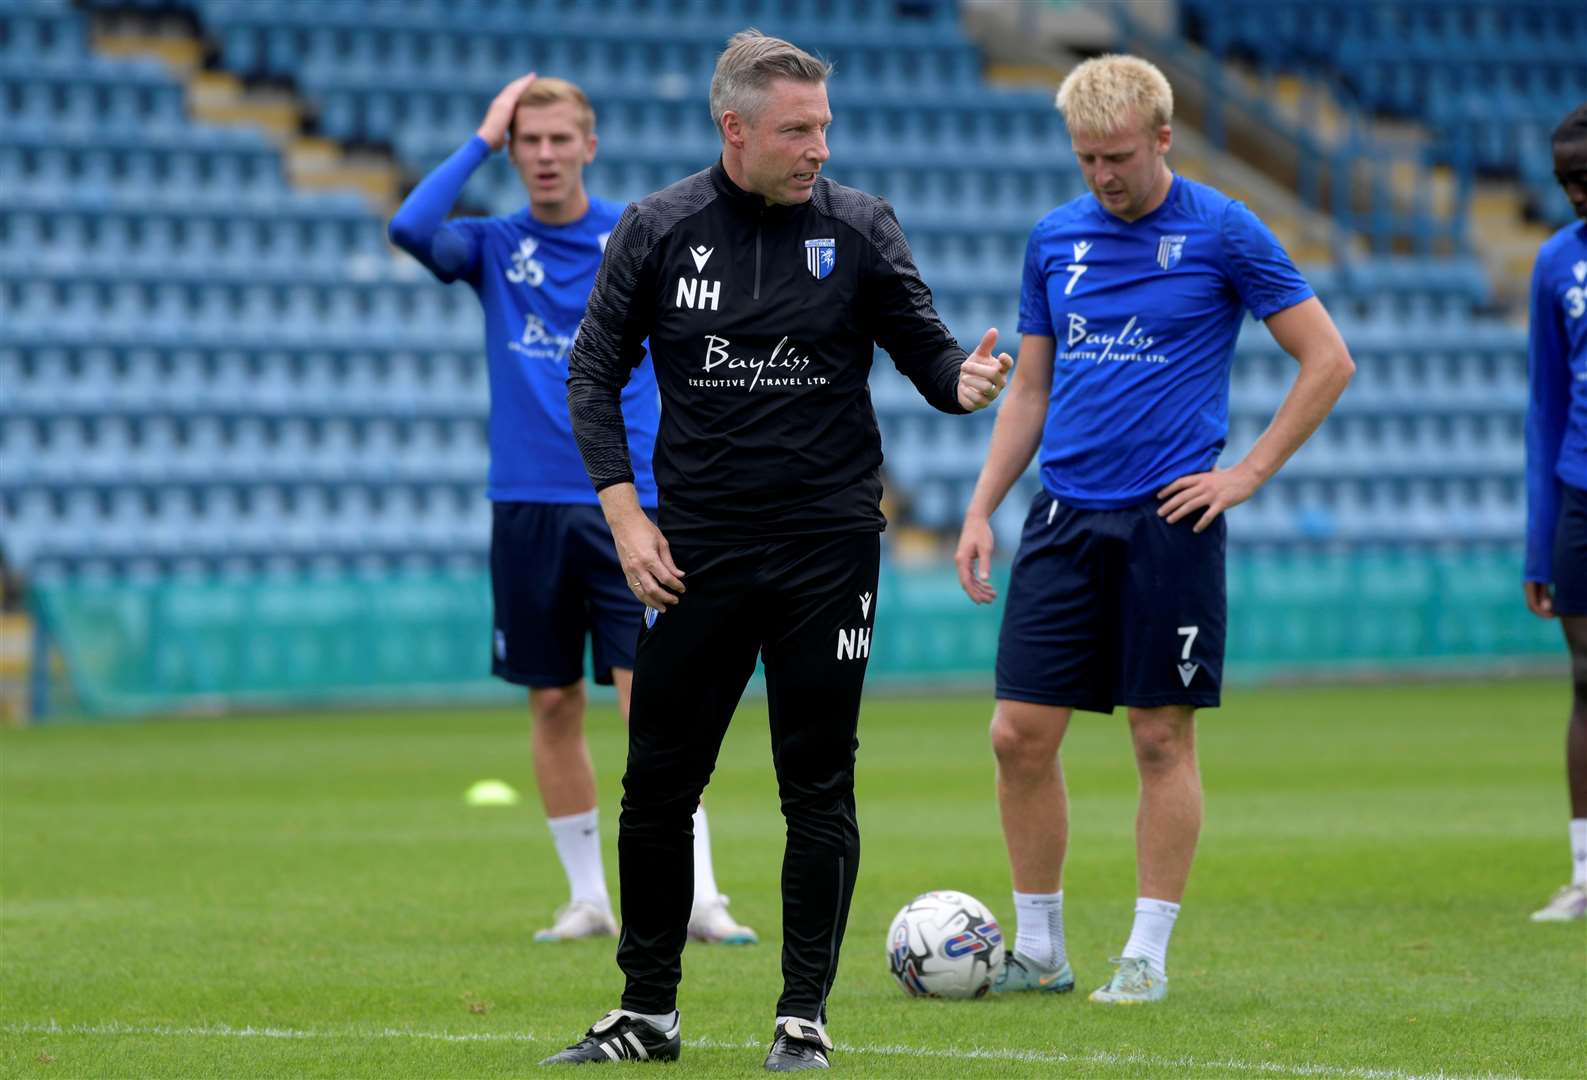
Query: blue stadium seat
(205, 364)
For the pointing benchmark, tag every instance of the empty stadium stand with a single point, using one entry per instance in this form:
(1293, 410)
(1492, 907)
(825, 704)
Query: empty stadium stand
(206, 372)
(1490, 80)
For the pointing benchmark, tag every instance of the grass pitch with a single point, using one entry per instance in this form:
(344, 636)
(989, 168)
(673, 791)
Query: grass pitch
(309, 896)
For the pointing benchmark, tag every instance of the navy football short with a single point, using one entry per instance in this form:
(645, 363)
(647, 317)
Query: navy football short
(555, 580)
(1570, 553)
(1113, 607)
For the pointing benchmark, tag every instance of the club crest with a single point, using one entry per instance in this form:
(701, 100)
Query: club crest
(1169, 251)
(821, 256)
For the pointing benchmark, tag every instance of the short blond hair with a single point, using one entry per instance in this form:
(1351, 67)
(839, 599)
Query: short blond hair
(1105, 95)
(747, 67)
(549, 91)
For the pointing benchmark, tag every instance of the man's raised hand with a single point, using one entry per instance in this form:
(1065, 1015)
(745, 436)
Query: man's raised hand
(498, 118)
(983, 376)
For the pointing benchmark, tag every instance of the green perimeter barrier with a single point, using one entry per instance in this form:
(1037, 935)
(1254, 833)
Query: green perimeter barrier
(197, 645)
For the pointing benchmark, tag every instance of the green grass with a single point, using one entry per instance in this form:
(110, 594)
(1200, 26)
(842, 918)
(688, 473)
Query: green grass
(308, 896)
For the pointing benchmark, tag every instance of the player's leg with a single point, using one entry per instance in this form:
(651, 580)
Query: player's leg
(1168, 820)
(1576, 753)
(538, 643)
(566, 778)
(1167, 826)
(1174, 615)
(1050, 652)
(1034, 806)
(1570, 602)
(691, 666)
(821, 613)
(623, 683)
(615, 620)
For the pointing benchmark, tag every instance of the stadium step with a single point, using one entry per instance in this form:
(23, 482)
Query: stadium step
(223, 99)
(1506, 243)
(16, 663)
(1309, 236)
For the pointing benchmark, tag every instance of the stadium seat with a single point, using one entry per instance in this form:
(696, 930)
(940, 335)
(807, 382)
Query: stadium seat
(202, 359)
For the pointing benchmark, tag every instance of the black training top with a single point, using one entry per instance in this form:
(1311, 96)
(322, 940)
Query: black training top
(762, 321)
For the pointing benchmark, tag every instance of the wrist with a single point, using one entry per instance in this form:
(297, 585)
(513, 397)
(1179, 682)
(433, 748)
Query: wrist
(1253, 471)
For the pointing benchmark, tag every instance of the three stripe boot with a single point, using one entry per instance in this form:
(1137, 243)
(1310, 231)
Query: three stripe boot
(620, 1037)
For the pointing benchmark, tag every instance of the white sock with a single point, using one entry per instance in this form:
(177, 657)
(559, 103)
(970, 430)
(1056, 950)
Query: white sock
(1578, 851)
(1154, 922)
(1039, 919)
(818, 1025)
(578, 841)
(662, 1022)
(704, 876)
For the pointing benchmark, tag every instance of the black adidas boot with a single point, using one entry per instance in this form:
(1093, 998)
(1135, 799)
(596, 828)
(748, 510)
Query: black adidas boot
(618, 1037)
(798, 1044)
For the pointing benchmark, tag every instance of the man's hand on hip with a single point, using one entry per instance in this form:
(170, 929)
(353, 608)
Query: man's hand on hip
(1212, 492)
(982, 376)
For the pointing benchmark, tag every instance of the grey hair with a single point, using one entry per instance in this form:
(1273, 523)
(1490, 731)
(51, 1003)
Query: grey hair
(749, 64)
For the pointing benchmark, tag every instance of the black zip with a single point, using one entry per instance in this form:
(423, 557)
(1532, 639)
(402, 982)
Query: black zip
(759, 218)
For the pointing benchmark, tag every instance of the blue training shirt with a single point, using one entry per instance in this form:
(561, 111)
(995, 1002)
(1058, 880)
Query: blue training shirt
(533, 281)
(1145, 315)
(1556, 418)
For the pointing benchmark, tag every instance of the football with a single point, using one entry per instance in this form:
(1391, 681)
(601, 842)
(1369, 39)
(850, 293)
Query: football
(945, 944)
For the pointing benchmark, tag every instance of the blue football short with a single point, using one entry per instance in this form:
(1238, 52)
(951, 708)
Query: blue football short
(1570, 553)
(555, 581)
(1113, 607)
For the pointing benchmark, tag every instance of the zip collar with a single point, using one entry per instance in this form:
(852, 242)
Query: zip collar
(747, 202)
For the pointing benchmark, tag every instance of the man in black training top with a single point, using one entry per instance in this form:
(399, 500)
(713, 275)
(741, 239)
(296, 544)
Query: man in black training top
(763, 289)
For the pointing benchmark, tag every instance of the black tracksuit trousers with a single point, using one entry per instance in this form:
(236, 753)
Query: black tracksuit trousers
(807, 606)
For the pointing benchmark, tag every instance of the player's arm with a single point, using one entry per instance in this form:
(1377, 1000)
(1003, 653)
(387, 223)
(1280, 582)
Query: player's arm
(610, 344)
(1306, 332)
(1548, 403)
(419, 225)
(1015, 437)
(905, 323)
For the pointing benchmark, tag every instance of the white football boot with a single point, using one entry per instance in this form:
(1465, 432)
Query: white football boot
(579, 919)
(710, 922)
(1567, 905)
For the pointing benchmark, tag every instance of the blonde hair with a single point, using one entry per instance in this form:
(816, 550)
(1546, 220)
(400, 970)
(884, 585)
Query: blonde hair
(549, 91)
(749, 64)
(1105, 95)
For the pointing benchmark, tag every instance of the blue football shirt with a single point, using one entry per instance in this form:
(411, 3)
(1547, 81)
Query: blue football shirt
(1556, 420)
(533, 281)
(1144, 317)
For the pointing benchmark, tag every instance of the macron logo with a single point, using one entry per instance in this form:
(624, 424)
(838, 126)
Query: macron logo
(1580, 270)
(865, 605)
(1082, 249)
(1187, 672)
(702, 255)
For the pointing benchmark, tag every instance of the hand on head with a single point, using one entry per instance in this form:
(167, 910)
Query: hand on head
(498, 118)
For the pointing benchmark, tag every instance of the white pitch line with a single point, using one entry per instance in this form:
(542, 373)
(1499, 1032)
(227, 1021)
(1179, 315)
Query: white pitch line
(226, 1031)
(1035, 1057)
